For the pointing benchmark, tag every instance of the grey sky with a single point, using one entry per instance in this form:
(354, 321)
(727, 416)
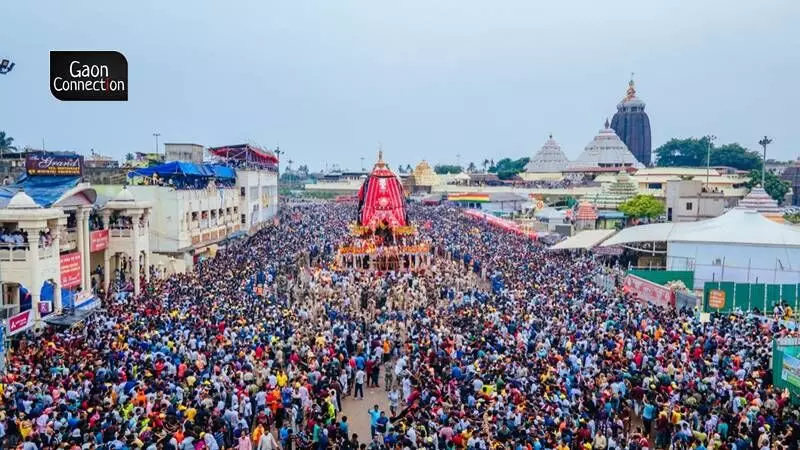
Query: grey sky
(427, 78)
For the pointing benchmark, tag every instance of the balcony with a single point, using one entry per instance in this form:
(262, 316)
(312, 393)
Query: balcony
(20, 252)
(69, 239)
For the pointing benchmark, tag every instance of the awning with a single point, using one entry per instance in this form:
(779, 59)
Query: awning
(654, 232)
(584, 240)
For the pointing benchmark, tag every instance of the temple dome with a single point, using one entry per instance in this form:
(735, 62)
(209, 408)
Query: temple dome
(759, 200)
(606, 150)
(124, 196)
(21, 200)
(632, 125)
(423, 175)
(614, 194)
(550, 158)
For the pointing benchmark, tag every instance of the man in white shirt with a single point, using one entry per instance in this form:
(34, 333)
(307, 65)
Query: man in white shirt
(359, 383)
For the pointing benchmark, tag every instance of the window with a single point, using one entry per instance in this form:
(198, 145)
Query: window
(653, 185)
(194, 215)
(244, 219)
(689, 206)
(669, 214)
(235, 209)
(241, 191)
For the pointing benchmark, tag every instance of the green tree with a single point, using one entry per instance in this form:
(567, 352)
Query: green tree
(507, 168)
(471, 167)
(443, 169)
(485, 164)
(689, 152)
(642, 206)
(734, 155)
(129, 157)
(775, 187)
(6, 142)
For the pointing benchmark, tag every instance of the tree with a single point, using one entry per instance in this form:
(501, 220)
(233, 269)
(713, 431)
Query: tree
(471, 167)
(689, 152)
(485, 164)
(641, 206)
(6, 142)
(775, 187)
(129, 157)
(443, 169)
(734, 155)
(507, 168)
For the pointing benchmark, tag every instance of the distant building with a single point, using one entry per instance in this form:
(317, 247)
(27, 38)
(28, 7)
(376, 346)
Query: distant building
(96, 160)
(550, 158)
(688, 201)
(606, 151)
(792, 176)
(184, 152)
(632, 125)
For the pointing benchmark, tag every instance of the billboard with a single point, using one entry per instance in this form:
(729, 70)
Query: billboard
(53, 164)
(20, 322)
(716, 299)
(790, 372)
(98, 240)
(71, 270)
(648, 291)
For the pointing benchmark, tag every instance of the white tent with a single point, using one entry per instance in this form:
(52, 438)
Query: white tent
(584, 240)
(741, 246)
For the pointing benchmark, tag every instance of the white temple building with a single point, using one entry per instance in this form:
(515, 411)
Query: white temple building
(550, 158)
(606, 150)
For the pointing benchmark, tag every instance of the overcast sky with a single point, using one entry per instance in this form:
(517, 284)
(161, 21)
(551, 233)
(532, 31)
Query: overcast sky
(328, 80)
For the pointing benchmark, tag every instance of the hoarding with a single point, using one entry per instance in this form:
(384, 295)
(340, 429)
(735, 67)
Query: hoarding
(20, 322)
(71, 270)
(648, 291)
(98, 240)
(716, 298)
(52, 164)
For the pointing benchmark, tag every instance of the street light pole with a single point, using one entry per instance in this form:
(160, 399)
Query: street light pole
(710, 138)
(764, 143)
(156, 135)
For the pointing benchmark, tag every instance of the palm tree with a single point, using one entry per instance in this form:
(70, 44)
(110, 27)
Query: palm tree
(6, 143)
(485, 164)
(471, 167)
(129, 157)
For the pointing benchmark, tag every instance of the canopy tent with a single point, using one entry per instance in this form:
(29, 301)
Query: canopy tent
(507, 225)
(172, 169)
(245, 155)
(222, 172)
(584, 240)
(44, 190)
(737, 226)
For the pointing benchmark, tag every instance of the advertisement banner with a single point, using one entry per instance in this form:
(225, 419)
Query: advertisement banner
(98, 240)
(790, 372)
(648, 291)
(716, 298)
(85, 299)
(20, 322)
(71, 270)
(52, 164)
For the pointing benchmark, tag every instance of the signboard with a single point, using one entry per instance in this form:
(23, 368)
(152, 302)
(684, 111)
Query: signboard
(608, 251)
(790, 372)
(71, 270)
(20, 322)
(98, 240)
(53, 164)
(716, 298)
(45, 307)
(648, 291)
(705, 317)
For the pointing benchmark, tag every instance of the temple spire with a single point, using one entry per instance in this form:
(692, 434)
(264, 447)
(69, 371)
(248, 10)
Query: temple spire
(380, 162)
(607, 124)
(631, 92)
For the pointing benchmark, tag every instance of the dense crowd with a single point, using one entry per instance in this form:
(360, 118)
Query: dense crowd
(499, 344)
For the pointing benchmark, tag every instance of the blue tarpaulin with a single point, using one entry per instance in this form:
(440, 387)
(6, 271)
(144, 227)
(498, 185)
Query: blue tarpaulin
(44, 190)
(173, 168)
(222, 172)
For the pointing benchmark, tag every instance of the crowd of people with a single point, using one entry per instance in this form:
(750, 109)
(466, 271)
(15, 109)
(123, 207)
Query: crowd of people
(498, 344)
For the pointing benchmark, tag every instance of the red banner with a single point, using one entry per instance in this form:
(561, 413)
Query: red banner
(649, 292)
(71, 270)
(98, 240)
(20, 322)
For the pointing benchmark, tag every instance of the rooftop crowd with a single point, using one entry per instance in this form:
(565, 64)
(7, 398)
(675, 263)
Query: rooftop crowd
(499, 344)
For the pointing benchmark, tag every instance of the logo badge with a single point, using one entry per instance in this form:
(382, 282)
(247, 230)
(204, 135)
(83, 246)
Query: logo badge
(89, 76)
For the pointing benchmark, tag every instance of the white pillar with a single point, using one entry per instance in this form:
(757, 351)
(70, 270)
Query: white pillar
(85, 251)
(55, 232)
(82, 238)
(107, 252)
(33, 254)
(135, 256)
(145, 245)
